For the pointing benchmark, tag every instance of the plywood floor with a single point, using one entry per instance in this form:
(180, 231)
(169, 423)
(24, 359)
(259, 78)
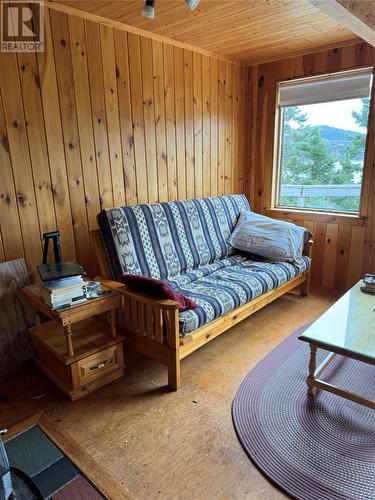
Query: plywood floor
(166, 445)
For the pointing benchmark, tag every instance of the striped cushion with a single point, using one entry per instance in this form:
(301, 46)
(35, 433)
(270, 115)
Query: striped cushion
(165, 240)
(223, 286)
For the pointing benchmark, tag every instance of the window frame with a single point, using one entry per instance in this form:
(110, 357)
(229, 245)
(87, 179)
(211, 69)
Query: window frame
(277, 154)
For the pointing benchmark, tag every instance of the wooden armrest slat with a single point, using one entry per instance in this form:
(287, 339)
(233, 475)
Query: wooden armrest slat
(307, 248)
(142, 297)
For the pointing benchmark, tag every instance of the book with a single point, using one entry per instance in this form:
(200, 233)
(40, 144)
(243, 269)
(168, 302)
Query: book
(68, 303)
(52, 298)
(59, 291)
(72, 297)
(62, 282)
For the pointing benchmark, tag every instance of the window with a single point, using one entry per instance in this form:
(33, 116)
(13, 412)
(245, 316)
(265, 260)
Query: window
(322, 128)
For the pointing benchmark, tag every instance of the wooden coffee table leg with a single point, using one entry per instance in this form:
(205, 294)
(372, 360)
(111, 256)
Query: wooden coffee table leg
(312, 368)
(68, 336)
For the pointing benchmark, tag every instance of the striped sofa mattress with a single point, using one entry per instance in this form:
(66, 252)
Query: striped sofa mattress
(185, 243)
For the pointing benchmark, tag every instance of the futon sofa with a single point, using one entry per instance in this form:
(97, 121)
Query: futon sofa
(185, 243)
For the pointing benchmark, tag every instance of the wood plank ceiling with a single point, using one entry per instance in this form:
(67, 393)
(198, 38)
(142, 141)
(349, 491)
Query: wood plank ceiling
(247, 31)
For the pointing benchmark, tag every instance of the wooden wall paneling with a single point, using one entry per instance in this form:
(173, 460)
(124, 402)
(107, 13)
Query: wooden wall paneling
(310, 225)
(236, 77)
(198, 125)
(189, 124)
(84, 118)
(368, 264)
(126, 116)
(342, 256)
(354, 269)
(252, 111)
(330, 251)
(222, 106)
(268, 140)
(19, 150)
(261, 139)
(112, 111)
(55, 144)
(104, 118)
(206, 123)
(348, 58)
(30, 88)
(99, 117)
(149, 119)
(318, 252)
(160, 120)
(249, 138)
(9, 217)
(170, 120)
(138, 119)
(179, 70)
(228, 130)
(64, 74)
(214, 78)
(242, 129)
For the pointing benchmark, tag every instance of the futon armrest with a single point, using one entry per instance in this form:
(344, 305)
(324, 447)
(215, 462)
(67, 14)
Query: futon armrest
(142, 297)
(307, 249)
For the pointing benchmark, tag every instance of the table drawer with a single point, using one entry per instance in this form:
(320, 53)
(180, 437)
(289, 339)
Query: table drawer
(97, 364)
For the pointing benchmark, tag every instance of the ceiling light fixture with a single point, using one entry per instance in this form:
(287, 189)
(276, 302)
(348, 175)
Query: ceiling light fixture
(192, 4)
(149, 9)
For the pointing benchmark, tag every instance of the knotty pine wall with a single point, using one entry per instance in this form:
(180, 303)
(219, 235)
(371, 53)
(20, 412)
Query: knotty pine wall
(343, 246)
(105, 118)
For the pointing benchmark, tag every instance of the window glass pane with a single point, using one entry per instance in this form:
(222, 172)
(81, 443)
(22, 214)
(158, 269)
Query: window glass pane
(322, 155)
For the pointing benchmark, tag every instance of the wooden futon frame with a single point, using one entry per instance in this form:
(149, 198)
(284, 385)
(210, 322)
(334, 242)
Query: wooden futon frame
(152, 325)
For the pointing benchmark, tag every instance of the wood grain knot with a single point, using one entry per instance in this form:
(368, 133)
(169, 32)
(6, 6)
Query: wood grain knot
(21, 198)
(260, 81)
(37, 80)
(63, 42)
(5, 143)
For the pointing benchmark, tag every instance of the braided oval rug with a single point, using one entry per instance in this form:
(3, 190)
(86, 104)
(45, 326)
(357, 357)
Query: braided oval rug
(314, 448)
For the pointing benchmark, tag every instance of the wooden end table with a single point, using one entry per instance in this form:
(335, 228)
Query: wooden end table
(78, 349)
(347, 328)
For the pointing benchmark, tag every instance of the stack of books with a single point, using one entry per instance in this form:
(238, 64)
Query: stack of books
(63, 292)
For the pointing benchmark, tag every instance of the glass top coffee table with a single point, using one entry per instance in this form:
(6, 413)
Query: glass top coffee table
(348, 329)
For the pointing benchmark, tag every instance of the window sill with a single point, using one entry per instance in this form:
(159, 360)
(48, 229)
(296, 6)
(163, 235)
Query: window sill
(327, 217)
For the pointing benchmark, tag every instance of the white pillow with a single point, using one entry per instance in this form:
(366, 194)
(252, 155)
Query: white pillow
(272, 239)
